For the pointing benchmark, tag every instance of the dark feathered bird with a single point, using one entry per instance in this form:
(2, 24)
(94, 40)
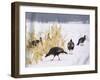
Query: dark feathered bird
(55, 51)
(35, 42)
(70, 45)
(81, 40)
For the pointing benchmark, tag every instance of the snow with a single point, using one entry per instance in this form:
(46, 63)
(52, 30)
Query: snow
(79, 56)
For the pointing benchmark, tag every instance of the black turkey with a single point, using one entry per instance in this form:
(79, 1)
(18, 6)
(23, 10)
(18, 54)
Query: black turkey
(55, 51)
(36, 42)
(70, 45)
(81, 40)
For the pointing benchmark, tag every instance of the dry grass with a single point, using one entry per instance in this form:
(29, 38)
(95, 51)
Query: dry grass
(52, 38)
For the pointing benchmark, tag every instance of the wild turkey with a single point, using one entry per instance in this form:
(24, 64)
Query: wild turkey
(55, 51)
(70, 45)
(81, 40)
(35, 42)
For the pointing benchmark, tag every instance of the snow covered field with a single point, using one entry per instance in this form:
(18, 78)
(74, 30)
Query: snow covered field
(72, 30)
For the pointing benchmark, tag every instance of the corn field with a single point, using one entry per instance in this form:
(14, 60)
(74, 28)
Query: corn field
(53, 37)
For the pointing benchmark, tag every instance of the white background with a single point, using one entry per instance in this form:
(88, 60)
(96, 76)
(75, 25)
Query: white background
(5, 40)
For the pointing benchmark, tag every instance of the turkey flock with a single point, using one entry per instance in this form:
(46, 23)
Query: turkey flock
(55, 51)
